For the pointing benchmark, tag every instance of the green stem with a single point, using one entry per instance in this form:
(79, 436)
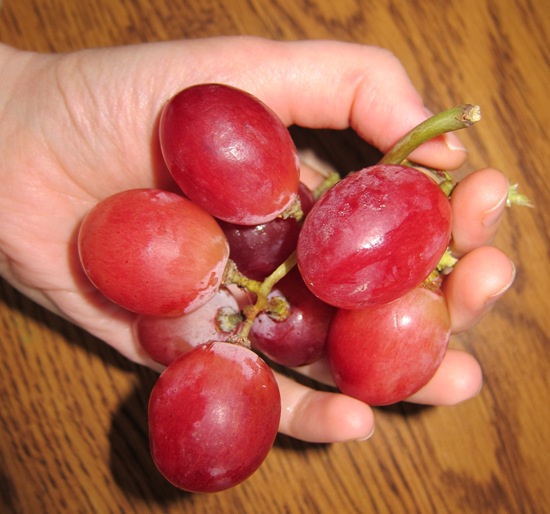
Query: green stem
(457, 118)
(330, 180)
(232, 275)
(294, 210)
(516, 198)
(442, 178)
(444, 267)
(262, 302)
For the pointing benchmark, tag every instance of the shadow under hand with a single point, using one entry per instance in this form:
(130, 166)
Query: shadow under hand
(131, 463)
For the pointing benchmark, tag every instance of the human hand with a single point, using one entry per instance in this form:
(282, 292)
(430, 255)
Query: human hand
(78, 127)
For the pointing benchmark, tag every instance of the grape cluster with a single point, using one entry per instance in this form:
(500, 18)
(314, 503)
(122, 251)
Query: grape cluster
(345, 274)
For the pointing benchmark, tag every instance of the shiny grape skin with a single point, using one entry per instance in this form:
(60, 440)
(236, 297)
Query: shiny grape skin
(229, 153)
(213, 417)
(383, 354)
(166, 338)
(258, 250)
(375, 235)
(299, 339)
(153, 252)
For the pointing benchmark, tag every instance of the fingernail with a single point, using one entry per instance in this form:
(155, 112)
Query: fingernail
(453, 143)
(450, 138)
(492, 216)
(368, 437)
(496, 296)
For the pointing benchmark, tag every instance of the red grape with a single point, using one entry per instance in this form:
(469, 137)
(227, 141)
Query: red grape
(165, 338)
(153, 252)
(300, 338)
(213, 417)
(384, 354)
(229, 153)
(258, 250)
(375, 235)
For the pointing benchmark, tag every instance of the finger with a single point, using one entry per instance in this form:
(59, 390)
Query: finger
(457, 379)
(478, 202)
(477, 281)
(322, 417)
(335, 85)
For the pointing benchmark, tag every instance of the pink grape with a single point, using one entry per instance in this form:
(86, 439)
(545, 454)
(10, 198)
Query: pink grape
(300, 338)
(213, 417)
(166, 338)
(153, 252)
(375, 235)
(258, 250)
(383, 354)
(229, 153)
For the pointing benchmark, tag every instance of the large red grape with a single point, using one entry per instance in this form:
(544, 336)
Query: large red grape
(213, 417)
(384, 354)
(229, 153)
(374, 236)
(153, 252)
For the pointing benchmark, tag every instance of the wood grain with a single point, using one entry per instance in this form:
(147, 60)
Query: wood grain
(73, 413)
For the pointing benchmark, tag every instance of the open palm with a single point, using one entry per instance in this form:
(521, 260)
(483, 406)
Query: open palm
(76, 128)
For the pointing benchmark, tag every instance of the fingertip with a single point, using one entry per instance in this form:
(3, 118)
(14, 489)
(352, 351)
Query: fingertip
(395, 115)
(464, 377)
(477, 281)
(443, 153)
(344, 418)
(458, 378)
(322, 417)
(478, 202)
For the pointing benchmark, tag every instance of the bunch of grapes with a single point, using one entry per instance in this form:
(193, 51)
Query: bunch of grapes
(347, 272)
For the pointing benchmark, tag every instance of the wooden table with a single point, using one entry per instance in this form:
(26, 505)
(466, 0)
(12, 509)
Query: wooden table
(73, 435)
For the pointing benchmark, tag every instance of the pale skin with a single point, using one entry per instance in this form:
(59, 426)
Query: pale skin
(78, 127)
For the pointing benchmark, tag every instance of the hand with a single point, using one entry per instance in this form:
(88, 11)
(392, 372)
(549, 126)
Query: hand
(78, 127)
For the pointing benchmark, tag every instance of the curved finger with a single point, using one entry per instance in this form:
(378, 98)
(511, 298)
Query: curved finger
(336, 85)
(320, 416)
(478, 202)
(477, 281)
(457, 379)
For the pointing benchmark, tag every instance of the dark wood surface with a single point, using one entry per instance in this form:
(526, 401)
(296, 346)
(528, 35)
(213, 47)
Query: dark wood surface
(73, 429)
